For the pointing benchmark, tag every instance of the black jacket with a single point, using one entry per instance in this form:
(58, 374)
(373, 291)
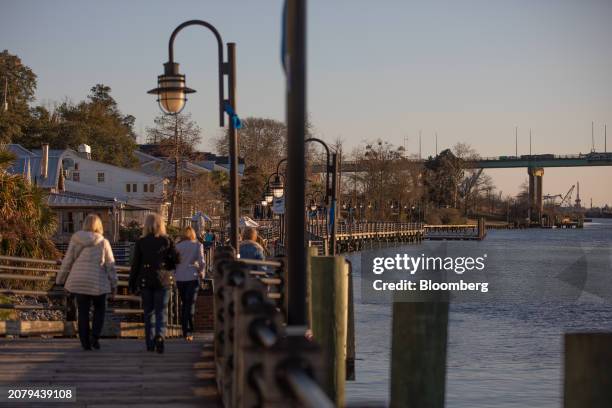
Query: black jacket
(154, 258)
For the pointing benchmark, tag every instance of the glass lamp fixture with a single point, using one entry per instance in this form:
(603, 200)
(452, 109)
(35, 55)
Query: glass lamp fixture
(277, 187)
(268, 196)
(313, 205)
(171, 90)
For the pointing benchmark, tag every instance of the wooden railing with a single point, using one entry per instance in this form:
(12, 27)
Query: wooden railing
(36, 277)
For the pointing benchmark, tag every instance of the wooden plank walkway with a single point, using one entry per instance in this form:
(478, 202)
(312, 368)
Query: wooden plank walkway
(120, 374)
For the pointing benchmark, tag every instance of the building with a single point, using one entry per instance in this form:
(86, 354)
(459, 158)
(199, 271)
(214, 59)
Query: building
(191, 193)
(78, 186)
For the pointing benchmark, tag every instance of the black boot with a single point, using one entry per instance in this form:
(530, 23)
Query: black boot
(159, 344)
(95, 343)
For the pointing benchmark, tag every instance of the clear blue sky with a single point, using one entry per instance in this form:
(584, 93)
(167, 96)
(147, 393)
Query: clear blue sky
(470, 70)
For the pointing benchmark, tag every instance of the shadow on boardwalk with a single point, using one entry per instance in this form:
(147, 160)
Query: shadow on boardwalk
(120, 374)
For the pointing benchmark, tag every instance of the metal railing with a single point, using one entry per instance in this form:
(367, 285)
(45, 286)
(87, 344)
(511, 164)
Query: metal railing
(259, 361)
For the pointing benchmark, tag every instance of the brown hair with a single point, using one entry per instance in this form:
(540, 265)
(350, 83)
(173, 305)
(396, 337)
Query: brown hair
(189, 234)
(249, 233)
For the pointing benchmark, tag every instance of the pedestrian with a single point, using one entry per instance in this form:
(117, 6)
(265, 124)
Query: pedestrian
(188, 274)
(88, 272)
(209, 238)
(249, 247)
(154, 258)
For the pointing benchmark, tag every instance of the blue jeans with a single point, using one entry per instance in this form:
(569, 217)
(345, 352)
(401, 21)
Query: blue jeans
(155, 305)
(188, 293)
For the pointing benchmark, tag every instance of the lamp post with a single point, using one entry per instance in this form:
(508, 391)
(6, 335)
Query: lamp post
(171, 95)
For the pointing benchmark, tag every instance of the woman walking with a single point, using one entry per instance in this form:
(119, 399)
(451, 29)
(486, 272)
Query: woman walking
(188, 273)
(154, 258)
(88, 270)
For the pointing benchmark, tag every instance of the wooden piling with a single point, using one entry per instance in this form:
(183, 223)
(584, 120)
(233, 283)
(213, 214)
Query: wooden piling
(329, 304)
(418, 354)
(588, 366)
(350, 335)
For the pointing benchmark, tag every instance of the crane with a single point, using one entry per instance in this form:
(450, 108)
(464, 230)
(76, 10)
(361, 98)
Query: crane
(565, 199)
(568, 196)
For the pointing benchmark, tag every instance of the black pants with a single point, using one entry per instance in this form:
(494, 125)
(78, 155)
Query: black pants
(84, 303)
(188, 292)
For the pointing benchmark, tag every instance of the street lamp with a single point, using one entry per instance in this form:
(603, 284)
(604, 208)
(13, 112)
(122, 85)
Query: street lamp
(171, 94)
(277, 186)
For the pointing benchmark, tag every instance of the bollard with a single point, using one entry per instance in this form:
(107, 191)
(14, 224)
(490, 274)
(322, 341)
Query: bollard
(418, 354)
(588, 361)
(329, 299)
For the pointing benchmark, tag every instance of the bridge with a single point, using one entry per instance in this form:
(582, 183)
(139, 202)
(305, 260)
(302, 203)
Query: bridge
(534, 163)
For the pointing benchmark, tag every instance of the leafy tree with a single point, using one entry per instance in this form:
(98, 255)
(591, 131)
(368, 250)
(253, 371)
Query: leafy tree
(443, 174)
(96, 121)
(17, 87)
(26, 222)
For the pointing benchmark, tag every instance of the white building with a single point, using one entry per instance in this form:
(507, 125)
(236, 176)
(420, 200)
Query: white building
(80, 185)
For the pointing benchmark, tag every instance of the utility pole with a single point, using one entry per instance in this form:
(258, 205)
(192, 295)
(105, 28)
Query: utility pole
(419, 144)
(605, 138)
(516, 141)
(436, 143)
(530, 141)
(592, 136)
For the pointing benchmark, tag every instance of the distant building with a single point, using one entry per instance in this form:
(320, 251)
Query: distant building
(190, 197)
(79, 185)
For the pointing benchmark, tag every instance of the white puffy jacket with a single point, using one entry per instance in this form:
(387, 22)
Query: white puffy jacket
(89, 265)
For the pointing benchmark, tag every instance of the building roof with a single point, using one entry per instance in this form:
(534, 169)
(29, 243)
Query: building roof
(67, 199)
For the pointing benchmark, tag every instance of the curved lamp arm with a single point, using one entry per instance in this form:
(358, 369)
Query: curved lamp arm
(222, 66)
(328, 156)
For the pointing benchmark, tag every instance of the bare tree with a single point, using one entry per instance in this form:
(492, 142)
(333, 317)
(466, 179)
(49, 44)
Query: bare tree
(177, 137)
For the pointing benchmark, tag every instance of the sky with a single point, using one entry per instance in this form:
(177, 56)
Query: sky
(470, 70)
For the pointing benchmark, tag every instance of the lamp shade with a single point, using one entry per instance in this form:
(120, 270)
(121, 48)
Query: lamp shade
(171, 90)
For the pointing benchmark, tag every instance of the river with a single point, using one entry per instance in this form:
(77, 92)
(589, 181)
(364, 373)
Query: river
(505, 354)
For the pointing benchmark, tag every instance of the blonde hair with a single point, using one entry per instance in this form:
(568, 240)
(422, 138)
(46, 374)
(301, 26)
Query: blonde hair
(189, 234)
(249, 233)
(93, 223)
(153, 225)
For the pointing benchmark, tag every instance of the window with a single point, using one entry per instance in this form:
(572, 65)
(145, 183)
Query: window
(145, 188)
(134, 188)
(128, 188)
(100, 177)
(76, 176)
(76, 166)
(151, 188)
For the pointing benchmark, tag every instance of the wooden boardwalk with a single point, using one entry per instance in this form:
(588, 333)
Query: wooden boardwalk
(121, 374)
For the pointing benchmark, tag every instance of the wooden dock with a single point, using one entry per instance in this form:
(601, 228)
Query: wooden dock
(121, 374)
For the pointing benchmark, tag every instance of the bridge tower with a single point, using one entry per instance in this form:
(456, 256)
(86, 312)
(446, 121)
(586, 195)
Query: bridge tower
(536, 203)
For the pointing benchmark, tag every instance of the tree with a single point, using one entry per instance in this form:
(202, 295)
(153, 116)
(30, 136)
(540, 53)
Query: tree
(177, 136)
(26, 222)
(96, 121)
(262, 143)
(17, 88)
(443, 174)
